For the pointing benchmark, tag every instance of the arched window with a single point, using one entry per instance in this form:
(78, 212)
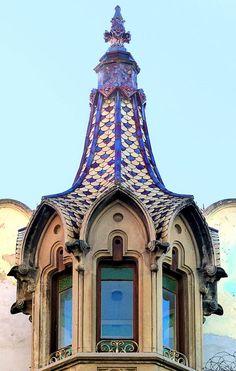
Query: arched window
(117, 299)
(61, 306)
(173, 310)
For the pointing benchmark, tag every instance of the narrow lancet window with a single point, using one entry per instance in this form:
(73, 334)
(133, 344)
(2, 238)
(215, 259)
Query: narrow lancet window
(169, 310)
(64, 311)
(61, 310)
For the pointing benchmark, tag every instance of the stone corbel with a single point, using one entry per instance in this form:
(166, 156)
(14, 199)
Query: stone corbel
(25, 276)
(79, 248)
(156, 248)
(26, 281)
(209, 275)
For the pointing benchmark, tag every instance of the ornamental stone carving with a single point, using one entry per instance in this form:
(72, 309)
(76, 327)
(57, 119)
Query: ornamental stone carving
(156, 248)
(79, 248)
(209, 275)
(26, 280)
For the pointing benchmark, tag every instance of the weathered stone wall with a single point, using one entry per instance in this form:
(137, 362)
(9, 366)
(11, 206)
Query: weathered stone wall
(15, 333)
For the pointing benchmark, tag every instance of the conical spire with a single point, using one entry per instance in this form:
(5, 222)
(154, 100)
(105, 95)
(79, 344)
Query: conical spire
(117, 152)
(117, 36)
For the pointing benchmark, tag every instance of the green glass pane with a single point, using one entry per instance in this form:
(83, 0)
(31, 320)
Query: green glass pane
(65, 282)
(169, 283)
(117, 274)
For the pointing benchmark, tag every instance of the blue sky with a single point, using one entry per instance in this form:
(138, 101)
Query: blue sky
(186, 51)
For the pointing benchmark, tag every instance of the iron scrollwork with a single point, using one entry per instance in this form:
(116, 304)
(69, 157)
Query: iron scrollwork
(117, 346)
(60, 354)
(175, 356)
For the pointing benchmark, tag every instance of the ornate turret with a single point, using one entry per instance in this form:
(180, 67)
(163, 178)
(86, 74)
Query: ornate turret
(117, 152)
(117, 263)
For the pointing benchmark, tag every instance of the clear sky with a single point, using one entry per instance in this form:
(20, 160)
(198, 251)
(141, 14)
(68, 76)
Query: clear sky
(186, 51)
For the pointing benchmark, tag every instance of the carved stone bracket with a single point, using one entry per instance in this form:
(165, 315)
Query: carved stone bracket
(79, 248)
(209, 275)
(26, 280)
(156, 248)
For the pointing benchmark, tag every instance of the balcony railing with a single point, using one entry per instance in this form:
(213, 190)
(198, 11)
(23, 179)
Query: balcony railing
(117, 346)
(175, 356)
(60, 354)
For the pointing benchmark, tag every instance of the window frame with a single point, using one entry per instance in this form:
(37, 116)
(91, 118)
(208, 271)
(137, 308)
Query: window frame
(55, 307)
(181, 304)
(125, 263)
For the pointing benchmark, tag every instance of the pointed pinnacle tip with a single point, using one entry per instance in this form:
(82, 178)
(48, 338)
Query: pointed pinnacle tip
(117, 36)
(117, 12)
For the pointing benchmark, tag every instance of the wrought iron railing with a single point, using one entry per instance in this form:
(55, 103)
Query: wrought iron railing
(222, 361)
(130, 346)
(175, 356)
(60, 354)
(117, 346)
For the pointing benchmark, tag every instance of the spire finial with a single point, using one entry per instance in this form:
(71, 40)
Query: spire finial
(117, 36)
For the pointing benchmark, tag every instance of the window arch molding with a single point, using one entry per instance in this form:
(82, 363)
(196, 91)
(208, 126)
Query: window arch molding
(198, 228)
(181, 251)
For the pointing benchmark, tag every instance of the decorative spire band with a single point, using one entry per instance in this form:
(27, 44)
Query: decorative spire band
(117, 36)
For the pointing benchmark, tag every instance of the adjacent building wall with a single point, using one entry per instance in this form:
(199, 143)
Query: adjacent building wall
(221, 335)
(15, 333)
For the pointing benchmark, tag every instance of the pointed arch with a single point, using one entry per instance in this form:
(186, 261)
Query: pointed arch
(35, 231)
(199, 228)
(125, 197)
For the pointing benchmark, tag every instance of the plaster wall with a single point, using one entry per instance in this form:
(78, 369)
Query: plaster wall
(221, 336)
(15, 333)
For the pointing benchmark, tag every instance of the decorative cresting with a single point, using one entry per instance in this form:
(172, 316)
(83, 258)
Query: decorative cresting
(222, 361)
(117, 153)
(117, 346)
(175, 356)
(209, 275)
(117, 36)
(60, 354)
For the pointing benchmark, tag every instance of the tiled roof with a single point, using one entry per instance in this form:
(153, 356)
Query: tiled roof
(117, 152)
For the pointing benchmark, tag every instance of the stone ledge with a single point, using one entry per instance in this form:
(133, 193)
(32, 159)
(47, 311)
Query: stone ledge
(101, 359)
